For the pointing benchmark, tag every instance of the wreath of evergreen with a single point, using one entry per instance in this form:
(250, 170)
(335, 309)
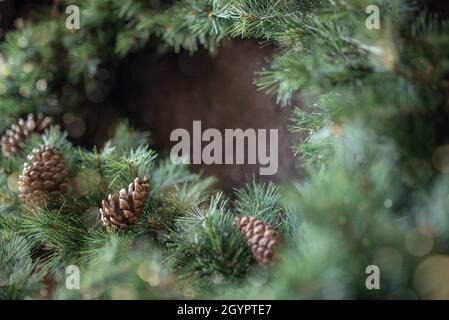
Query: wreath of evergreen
(376, 158)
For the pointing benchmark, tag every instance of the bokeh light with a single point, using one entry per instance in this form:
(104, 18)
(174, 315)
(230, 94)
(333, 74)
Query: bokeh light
(440, 158)
(388, 203)
(28, 67)
(389, 260)
(431, 278)
(123, 293)
(419, 243)
(189, 294)
(41, 84)
(217, 278)
(150, 273)
(75, 126)
(13, 182)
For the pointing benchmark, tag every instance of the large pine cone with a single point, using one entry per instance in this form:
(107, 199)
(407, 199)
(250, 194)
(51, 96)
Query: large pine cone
(14, 138)
(122, 212)
(261, 238)
(44, 176)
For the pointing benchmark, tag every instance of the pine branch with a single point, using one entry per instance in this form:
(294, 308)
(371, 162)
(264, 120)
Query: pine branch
(19, 276)
(264, 203)
(206, 249)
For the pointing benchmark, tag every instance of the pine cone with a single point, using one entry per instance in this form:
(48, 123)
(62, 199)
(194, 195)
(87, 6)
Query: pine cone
(122, 212)
(262, 239)
(46, 176)
(14, 138)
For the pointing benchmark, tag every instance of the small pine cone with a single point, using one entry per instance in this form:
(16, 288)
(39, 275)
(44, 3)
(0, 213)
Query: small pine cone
(45, 176)
(14, 138)
(123, 211)
(262, 239)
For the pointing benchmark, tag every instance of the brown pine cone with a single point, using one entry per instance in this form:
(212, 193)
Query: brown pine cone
(44, 176)
(123, 211)
(14, 138)
(261, 238)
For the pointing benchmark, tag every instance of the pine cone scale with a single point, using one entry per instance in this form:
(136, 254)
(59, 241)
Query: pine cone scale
(39, 180)
(261, 238)
(15, 138)
(120, 213)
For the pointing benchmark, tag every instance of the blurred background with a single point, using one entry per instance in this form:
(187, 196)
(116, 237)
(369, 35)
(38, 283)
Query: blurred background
(166, 92)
